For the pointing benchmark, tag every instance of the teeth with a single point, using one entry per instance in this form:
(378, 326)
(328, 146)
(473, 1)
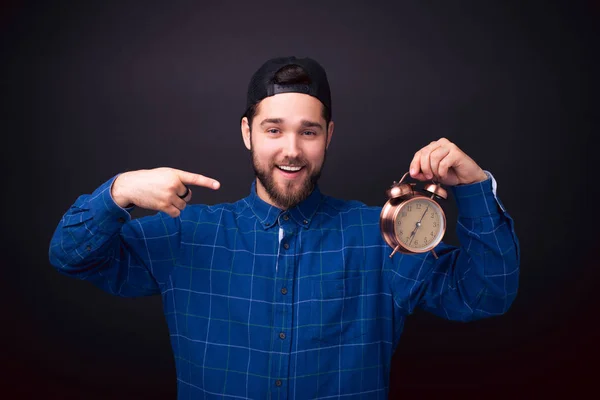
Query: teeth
(288, 168)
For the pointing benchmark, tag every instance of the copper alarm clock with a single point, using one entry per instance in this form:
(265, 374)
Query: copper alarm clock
(412, 221)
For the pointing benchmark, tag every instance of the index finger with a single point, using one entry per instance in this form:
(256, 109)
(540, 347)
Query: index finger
(189, 178)
(415, 165)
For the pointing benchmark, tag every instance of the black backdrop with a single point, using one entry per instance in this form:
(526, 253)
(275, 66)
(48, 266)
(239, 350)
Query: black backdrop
(90, 89)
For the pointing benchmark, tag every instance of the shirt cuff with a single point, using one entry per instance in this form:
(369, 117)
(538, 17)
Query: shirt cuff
(107, 212)
(478, 199)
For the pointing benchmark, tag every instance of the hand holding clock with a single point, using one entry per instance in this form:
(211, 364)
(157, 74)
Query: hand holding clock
(444, 162)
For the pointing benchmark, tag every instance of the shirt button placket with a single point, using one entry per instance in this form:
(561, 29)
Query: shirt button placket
(285, 311)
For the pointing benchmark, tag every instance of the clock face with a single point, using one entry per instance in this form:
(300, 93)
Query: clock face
(419, 224)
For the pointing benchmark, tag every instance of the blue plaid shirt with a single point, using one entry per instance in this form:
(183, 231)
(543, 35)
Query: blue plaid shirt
(300, 304)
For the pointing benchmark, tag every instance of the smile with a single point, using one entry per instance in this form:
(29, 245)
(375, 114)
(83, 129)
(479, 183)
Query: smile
(290, 172)
(289, 168)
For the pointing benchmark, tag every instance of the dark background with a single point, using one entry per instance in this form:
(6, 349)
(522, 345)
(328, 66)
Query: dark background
(90, 89)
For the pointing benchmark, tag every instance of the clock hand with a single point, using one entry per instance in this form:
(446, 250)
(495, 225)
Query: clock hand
(417, 225)
(412, 236)
(422, 216)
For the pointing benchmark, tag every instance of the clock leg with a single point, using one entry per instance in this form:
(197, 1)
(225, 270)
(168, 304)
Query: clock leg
(435, 255)
(395, 250)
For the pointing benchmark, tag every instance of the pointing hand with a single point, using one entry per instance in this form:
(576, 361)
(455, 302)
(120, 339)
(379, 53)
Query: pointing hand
(160, 189)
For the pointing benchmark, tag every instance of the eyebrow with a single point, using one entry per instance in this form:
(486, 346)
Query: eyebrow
(304, 123)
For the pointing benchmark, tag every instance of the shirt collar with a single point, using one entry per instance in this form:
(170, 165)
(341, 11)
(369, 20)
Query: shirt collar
(268, 215)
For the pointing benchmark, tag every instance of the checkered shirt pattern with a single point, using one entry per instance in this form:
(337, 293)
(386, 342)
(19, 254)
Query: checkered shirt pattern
(304, 303)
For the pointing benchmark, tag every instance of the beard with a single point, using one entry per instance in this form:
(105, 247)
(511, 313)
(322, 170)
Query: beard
(288, 196)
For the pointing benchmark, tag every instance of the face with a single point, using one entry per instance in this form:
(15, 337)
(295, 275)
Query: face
(419, 224)
(288, 142)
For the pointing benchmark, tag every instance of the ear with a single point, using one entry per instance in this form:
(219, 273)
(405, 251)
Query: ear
(246, 133)
(329, 133)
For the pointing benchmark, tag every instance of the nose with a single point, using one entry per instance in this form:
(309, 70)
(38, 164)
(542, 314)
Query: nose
(291, 148)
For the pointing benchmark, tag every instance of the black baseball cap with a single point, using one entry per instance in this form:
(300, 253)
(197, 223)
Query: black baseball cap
(263, 83)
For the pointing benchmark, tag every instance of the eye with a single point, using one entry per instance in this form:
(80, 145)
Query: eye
(309, 133)
(273, 130)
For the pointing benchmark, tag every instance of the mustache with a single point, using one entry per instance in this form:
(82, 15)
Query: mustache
(292, 162)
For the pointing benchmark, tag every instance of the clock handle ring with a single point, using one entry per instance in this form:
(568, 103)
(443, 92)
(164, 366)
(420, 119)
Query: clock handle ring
(403, 176)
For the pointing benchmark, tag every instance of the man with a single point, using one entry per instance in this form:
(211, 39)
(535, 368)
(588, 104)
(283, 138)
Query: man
(288, 293)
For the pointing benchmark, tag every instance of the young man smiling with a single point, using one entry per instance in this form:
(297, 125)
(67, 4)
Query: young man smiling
(288, 147)
(288, 293)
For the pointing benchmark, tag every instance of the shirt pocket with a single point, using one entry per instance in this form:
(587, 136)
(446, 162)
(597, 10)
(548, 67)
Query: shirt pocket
(337, 309)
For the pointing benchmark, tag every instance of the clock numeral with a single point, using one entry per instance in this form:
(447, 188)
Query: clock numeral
(432, 215)
(434, 224)
(418, 206)
(409, 207)
(400, 232)
(425, 239)
(432, 234)
(416, 242)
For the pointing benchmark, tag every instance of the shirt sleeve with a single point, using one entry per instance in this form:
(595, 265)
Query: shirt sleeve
(97, 241)
(475, 280)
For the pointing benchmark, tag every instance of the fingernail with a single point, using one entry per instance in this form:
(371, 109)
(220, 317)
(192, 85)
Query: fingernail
(216, 185)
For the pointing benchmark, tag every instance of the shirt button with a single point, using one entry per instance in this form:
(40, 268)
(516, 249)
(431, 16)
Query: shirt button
(305, 222)
(277, 382)
(283, 291)
(286, 217)
(286, 246)
(282, 335)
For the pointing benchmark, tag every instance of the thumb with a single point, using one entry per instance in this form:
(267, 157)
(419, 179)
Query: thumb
(189, 178)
